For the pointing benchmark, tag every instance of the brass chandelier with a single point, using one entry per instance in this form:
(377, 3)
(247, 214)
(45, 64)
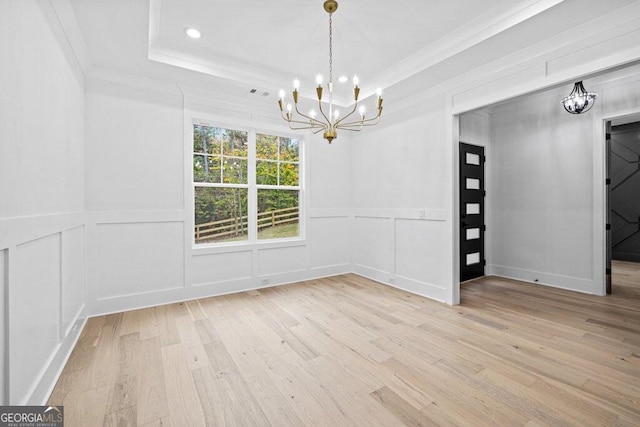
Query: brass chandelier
(331, 122)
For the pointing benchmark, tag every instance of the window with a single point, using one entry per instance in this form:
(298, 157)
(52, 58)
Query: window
(277, 166)
(237, 199)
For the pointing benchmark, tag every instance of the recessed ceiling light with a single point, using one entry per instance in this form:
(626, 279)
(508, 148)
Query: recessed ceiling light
(193, 33)
(343, 79)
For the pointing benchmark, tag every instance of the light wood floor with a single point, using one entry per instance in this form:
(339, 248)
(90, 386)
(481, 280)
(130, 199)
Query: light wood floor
(346, 351)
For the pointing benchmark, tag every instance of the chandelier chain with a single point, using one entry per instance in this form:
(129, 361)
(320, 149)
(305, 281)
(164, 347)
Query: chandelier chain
(330, 48)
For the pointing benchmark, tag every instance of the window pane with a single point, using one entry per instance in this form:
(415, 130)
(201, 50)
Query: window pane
(266, 147)
(473, 184)
(235, 170)
(289, 149)
(472, 159)
(206, 169)
(473, 258)
(206, 139)
(234, 143)
(278, 214)
(473, 233)
(473, 208)
(220, 214)
(289, 174)
(266, 173)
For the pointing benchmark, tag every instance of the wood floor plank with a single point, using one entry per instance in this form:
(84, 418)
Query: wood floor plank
(191, 344)
(405, 413)
(167, 329)
(348, 351)
(182, 397)
(151, 396)
(122, 418)
(85, 408)
(123, 390)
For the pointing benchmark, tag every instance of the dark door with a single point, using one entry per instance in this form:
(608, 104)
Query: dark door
(608, 219)
(624, 194)
(472, 226)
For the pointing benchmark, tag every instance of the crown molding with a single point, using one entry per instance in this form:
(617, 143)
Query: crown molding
(66, 19)
(481, 29)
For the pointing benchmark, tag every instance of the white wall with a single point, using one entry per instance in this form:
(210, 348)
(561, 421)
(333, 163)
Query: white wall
(541, 205)
(400, 200)
(3, 327)
(42, 191)
(139, 203)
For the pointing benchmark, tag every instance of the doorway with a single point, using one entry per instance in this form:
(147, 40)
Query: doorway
(472, 217)
(623, 190)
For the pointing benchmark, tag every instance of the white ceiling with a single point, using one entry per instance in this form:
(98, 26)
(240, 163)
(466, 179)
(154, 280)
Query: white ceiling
(266, 44)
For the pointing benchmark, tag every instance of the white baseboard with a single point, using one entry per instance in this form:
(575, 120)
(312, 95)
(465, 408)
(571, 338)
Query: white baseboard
(576, 284)
(204, 290)
(50, 375)
(413, 286)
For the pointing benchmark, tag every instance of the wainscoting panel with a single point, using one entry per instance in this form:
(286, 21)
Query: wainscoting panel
(329, 241)
(214, 268)
(416, 258)
(282, 260)
(134, 258)
(73, 277)
(374, 246)
(34, 311)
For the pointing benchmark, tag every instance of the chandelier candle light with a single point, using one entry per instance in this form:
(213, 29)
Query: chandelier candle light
(328, 124)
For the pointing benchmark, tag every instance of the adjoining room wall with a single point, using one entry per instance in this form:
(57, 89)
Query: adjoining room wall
(139, 203)
(42, 246)
(542, 192)
(547, 183)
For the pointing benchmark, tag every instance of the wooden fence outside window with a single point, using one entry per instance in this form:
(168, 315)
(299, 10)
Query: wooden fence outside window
(227, 228)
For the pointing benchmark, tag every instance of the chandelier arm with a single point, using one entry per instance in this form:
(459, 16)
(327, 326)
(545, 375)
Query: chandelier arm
(303, 127)
(318, 131)
(355, 107)
(367, 122)
(314, 125)
(311, 119)
(358, 128)
(323, 114)
(359, 125)
(352, 130)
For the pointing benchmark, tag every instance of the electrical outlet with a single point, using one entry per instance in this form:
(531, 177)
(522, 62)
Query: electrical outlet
(264, 282)
(422, 214)
(392, 280)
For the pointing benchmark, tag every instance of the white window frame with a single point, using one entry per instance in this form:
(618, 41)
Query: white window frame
(251, 185)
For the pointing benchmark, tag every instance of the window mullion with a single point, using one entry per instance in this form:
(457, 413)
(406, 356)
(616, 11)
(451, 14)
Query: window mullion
(253, 192)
